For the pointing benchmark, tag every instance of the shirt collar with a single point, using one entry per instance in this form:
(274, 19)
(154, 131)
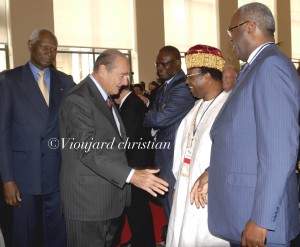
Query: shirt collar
(258, 50)
(35, 71)
(103, 93)
(122, 101)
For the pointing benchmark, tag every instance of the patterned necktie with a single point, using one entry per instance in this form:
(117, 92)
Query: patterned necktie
(109, 103)
(43, 87)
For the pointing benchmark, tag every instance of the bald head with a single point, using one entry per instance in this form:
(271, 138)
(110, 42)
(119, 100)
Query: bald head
(229, 75)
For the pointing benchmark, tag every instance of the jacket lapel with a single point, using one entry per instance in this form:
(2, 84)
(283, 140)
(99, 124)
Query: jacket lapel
(99, 101)
(241, 81)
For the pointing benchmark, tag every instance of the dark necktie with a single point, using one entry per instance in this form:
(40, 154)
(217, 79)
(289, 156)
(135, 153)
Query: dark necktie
(109, 103)
(164, 89)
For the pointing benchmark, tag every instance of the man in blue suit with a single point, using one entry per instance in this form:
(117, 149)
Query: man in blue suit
(173, 102)
(253, 199)
(29, 154)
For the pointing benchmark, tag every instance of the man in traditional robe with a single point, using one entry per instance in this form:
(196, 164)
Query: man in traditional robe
(188, 225)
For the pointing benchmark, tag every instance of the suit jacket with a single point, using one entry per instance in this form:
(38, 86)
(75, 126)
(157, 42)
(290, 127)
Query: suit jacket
(167, 111)
(27, 125)
(133, 112)
(92, 179)
(254, 151)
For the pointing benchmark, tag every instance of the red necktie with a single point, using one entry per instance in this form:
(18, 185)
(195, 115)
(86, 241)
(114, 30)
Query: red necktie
(109, 103)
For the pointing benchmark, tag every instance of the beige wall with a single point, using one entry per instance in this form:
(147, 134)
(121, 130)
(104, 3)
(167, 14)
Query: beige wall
(283, 27)
(226, 10)
(149, 36)
(23, 18)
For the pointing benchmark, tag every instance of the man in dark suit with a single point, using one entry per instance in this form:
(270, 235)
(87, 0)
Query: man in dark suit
(95, 175)
(173, 101)
(132, 110)
(29, 161)
(253, 197)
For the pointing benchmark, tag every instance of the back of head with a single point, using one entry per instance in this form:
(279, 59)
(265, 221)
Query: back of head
(107, 58)
(261, 15)
(171, 50)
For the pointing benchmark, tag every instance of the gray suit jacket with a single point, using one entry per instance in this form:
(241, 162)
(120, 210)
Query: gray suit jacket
(93, 178)
(254, 151)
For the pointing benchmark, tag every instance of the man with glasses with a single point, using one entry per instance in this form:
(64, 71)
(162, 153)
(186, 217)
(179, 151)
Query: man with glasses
(252, 184)
(173, 101)
(188, 224)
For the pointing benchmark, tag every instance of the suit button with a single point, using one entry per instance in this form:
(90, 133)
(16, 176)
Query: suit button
(212, 140)
(43, 154)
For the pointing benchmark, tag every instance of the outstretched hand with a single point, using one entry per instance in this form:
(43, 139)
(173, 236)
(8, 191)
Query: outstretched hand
(200, 190)
(146, 180)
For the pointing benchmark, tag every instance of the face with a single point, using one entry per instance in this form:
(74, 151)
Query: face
(240, 39)
(167, 65)
(43, 51)
(196, 82)
(113, 80)
(137, 90)
(228, 78)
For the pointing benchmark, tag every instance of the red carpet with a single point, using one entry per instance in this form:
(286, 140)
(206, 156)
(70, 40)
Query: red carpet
(159, 221)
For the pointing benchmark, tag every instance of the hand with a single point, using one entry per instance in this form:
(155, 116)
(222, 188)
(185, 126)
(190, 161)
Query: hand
(199, 191)
(146, 180)
(11, 194)
(254, 235)
(144, 99)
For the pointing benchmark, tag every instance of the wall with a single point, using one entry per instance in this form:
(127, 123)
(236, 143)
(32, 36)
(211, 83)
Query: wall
(23, 18)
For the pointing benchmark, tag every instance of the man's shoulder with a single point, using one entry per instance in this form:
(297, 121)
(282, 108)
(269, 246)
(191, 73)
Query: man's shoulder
(63, 77)
(80, 89)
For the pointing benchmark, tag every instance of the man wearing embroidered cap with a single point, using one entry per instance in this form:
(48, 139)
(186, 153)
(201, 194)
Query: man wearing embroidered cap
(188, 224)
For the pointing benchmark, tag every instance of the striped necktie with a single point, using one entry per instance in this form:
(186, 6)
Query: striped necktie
(109, 103)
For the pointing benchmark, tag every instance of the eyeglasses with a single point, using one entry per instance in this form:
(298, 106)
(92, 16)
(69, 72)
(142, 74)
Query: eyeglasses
(46, 49)
(188, 76)
(230, 30)
(165, 63)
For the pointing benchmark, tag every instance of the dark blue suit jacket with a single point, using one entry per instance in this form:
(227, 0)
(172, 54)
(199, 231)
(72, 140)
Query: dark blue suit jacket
(26, 126)
(166, 114)
(254, 151)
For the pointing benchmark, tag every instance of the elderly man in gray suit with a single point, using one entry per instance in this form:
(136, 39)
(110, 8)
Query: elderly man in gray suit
(252, 185)
(95, 175)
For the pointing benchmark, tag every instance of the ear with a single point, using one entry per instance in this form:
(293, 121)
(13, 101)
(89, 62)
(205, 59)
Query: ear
(102, 69)
(251, 27)
(207, 76)
(29, 44)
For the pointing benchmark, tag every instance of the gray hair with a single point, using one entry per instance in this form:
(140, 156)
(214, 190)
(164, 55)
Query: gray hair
(35, 35)
(261, 15)
(108, 58)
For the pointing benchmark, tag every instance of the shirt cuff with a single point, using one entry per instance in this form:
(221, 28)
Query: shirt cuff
(130, 175)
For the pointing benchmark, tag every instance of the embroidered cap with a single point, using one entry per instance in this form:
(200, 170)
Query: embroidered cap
(204, 56)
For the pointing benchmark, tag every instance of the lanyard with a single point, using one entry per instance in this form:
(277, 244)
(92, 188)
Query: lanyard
(195, 127)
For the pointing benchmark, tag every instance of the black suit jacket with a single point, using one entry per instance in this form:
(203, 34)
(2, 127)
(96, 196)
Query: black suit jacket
(133, 112)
